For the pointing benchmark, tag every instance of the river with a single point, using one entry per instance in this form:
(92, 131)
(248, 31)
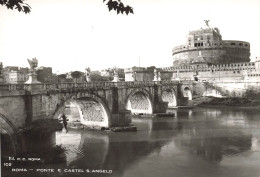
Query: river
(198, 142)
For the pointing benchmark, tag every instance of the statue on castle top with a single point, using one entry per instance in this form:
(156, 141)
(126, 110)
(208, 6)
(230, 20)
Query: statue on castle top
(206, 22)
(33, 64)
(87, 71)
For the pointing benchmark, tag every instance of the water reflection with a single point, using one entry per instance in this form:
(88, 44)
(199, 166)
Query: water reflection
(207, 134)
(198, 142)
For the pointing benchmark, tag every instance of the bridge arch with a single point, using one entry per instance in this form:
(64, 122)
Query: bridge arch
(8, 137)
(212, 92)
(169, 95)
(187, 93)
(93, 111)
(139, 101)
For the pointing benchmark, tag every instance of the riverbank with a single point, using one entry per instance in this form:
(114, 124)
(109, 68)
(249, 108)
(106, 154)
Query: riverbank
(243, 103)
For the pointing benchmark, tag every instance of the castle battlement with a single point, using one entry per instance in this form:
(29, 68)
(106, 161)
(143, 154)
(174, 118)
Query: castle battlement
(139, 69)
(213, 45)
(206, 46)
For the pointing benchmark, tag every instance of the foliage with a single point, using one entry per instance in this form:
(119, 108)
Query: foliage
(118, 6)
(62, 76)
(76, 74)
(96, 77)
(228, 101)
(20, 5)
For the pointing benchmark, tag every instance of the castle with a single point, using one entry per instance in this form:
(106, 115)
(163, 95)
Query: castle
(204, 57)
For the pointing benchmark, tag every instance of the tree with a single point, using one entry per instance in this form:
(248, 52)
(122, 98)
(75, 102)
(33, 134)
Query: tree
(96, 77)
(20, 5)
(76, 75)
(118, 6)
(61, 77)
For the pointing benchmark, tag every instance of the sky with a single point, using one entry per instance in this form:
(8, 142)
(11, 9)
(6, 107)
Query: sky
(70, 35)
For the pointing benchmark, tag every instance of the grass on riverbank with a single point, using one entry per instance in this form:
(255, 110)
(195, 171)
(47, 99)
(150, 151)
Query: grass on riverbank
(228, 101)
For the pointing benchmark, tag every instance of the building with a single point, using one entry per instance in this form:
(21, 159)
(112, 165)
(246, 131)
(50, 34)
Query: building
(110, 73)
(205, 46)
(106, 72)
(206, 57)
(139, 73)
(15, 74)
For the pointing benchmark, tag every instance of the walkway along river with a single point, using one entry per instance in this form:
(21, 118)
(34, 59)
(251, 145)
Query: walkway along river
(203, 141)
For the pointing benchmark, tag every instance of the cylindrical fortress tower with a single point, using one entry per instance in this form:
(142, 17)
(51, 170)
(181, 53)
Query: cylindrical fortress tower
(205, 46)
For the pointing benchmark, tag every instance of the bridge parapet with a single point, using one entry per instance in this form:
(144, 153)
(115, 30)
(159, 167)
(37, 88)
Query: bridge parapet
(92, 85)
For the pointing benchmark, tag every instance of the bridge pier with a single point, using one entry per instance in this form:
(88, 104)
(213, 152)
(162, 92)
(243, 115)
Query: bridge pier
(121, 119)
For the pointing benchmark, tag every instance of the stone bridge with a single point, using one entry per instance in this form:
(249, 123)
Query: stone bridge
(100, 104)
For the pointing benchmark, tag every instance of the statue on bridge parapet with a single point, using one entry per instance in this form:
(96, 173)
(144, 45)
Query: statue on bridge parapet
(176, 77)
(88, 71)
(156, 75)
(1, 74)
(33, 64)
(159, 76)
(32, 75)
(115, 71)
